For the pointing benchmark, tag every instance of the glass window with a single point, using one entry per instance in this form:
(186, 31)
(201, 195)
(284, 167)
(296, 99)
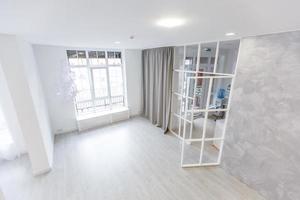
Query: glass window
(76, 57)
(116, 81)
(97, 57)
(191, 57)
(228, 52)
(81, 79)
(99, 82)
(114, 58)
(207, 60)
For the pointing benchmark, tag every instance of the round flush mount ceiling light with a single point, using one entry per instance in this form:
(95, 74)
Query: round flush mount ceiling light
(170, 22)
(230, 34)
(117, 42)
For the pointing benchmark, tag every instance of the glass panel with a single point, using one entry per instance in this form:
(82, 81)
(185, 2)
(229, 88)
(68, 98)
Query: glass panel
(97, 57)
(114, 58)
(191, 154)
(207, 60)
(191, 57)
(185, 78)
(101, 57)
(228, 52)
(72, 54)
(116, 81)
(210, 152)
(72, 57)
(92, 54)
(82, 58)
(101, 54)
(215, 124)
(76, 57)
(174, 124)
(220, 92)
(201, 92)
(187, 129)
(93, 57)
(188, 107)
(81, 79)
(176, 104)
(198, 124)
(100, 82)
(178, 57)
(177, 83)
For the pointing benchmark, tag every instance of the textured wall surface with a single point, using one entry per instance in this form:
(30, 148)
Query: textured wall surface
(263, 134)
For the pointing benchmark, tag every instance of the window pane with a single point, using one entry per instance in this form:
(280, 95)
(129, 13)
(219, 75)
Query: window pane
(72, 57)
(76, 57)
(178, 57)
(100, 82)
(81, 79)
(93, 57)
(227, 58)
(92, 54)
(116, 81)
(72, 54)
(82, 57)
(114, 58)
(81, 54)
(97, 57)
(191, 57)
(207, 60)
(101, 57)
(101, 54)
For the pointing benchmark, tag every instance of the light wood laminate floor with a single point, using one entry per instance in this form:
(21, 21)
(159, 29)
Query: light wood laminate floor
(130, 160)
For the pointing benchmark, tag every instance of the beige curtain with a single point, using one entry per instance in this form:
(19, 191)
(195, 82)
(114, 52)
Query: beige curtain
(157, 80)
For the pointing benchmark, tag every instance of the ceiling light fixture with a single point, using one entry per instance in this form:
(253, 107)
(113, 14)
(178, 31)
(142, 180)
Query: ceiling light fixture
(117, 42)
(230, 34)
(170, 22)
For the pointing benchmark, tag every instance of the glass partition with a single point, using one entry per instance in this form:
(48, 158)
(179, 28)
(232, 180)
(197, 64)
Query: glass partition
(178, 57)
(227, 58)
(191, 54)
(201, 93)
(207, 59)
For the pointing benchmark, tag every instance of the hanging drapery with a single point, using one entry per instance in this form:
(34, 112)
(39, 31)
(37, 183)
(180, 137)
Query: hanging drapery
(157, 80)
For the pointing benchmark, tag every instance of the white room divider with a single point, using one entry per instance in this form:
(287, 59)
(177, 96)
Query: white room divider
(203, 76)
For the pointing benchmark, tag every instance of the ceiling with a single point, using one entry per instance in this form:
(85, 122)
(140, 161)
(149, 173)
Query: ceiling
(99, 23)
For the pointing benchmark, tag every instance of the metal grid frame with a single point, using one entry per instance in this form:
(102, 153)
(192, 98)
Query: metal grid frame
(183, 114)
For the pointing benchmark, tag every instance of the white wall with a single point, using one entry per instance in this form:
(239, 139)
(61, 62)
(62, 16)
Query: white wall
(37, 95)
(51, 61)
(133, 65)
(10, 114)
(19, 70)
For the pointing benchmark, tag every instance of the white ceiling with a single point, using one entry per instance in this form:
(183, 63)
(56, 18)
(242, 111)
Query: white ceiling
(98, 23)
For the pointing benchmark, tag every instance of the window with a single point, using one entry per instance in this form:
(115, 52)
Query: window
(98, 76)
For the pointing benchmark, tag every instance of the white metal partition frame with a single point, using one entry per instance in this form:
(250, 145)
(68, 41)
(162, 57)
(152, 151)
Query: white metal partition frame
(184, 112)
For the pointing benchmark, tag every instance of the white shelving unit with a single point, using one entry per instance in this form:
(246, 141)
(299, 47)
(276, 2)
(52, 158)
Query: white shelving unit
(199, 72)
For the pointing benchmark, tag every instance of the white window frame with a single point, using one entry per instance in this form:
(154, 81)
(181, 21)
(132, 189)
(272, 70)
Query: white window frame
(183, 134)
(91, 67)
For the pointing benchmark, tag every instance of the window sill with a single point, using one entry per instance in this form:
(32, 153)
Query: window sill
(101, 114)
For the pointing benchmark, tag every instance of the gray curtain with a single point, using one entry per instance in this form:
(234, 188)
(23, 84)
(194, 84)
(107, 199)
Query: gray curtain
(157, 80)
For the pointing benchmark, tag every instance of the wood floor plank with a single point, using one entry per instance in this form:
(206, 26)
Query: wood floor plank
(130, 160)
